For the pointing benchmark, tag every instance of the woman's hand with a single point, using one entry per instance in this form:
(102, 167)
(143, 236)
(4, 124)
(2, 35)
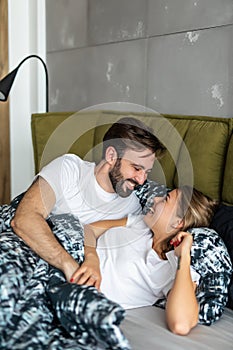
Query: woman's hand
(69, 268)
(182, 306)
(182, 243)
(89, 273)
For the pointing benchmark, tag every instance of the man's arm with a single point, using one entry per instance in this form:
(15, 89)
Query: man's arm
(29, 224)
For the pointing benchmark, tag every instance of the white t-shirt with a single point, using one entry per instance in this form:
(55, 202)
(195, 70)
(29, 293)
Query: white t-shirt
(78, 192)
(133, 274)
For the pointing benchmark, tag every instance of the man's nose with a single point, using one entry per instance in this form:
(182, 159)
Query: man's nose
(141, 177)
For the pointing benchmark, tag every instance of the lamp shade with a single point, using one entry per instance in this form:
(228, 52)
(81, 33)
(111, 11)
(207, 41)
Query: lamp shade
(7, 82)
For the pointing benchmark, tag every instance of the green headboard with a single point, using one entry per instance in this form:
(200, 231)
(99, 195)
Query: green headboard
(200, 148)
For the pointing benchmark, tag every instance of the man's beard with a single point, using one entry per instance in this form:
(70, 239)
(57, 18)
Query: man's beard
(118, 181)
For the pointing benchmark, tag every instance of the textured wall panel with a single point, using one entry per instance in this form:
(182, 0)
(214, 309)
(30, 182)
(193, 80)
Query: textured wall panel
(192, 72)
(117, 72)
(170, 16)
(111, 20)
(66, 22)
(175, 56)
(68, 79)
(105, 73)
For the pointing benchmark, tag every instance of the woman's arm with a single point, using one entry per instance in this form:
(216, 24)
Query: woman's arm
(89, 273)
(94, 230)
(182, 307)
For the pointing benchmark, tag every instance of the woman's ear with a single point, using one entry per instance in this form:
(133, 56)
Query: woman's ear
(178, 223)
(111, 155)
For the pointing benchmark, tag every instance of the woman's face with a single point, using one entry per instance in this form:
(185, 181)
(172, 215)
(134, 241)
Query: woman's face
(162, 216)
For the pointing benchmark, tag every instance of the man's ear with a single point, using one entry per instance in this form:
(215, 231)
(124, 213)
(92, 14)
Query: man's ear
(111, 155)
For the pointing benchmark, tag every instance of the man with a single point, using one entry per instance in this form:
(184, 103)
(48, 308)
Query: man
(91, 192)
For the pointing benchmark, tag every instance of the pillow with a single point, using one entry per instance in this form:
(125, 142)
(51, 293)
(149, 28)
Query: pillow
(209, 258)
(223, 223)
(147, 192)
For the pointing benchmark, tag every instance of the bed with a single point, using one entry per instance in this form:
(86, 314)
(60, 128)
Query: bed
(200, 154)
(146, 328)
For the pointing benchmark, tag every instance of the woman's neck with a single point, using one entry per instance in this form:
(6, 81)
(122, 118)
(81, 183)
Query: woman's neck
(159, 243)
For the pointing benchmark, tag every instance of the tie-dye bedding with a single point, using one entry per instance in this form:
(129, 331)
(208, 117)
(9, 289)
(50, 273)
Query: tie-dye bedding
(39, 309)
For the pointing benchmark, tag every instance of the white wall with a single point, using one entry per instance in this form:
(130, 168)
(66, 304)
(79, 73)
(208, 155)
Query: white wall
(26, 36)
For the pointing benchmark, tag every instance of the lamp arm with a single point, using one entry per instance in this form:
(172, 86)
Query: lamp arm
(46, 76)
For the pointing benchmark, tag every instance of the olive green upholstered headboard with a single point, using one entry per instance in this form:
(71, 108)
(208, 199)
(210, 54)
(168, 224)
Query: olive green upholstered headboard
(200, 149)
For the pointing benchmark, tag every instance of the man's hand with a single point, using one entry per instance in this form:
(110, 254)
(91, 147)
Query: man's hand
(89, 273)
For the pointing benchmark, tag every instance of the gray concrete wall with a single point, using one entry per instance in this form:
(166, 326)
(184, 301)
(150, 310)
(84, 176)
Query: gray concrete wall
(173, 56)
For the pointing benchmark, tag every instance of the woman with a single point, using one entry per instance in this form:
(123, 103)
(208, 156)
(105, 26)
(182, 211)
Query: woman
(139, 268)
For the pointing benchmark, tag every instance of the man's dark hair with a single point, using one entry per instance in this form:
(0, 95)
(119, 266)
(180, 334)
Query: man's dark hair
(131, 133)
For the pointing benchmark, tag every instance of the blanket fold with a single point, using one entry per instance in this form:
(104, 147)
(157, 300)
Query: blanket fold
(39, 309)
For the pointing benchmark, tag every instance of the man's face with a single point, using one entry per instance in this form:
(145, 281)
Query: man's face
(130, 171)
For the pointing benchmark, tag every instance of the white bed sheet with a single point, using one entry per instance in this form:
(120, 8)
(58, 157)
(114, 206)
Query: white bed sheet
(146, 329)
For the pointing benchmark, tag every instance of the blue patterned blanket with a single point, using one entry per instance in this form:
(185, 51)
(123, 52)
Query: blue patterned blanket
(39, 309)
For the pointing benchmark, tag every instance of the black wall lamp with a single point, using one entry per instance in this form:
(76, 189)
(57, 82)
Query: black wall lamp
(7, 82)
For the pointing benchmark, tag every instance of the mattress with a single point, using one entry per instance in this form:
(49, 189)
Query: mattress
(146, 329)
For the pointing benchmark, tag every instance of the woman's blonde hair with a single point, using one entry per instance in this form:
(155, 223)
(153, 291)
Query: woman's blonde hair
(194, 209)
